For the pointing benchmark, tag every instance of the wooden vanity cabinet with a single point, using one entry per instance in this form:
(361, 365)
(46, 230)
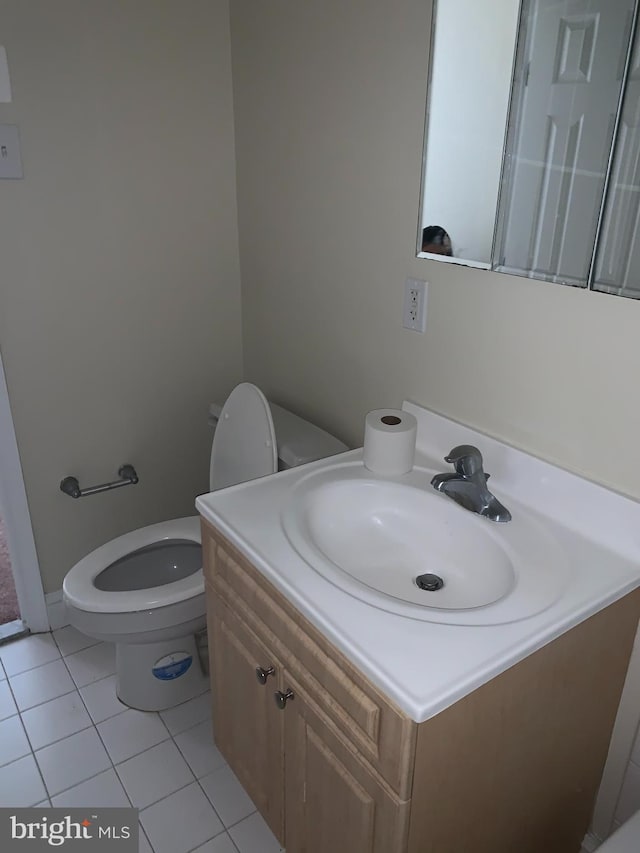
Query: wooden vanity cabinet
(333, 800)
(247, 723)
(338, 768)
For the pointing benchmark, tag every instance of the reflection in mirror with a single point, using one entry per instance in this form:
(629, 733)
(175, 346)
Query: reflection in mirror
(532, 139)
(471, 64)
(567, 85)
(617, 268)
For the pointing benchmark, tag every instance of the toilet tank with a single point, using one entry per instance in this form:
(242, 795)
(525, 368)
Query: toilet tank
(298, 440)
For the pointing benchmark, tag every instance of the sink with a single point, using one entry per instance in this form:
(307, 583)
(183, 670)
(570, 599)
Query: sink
(387, 535)
(402, 546)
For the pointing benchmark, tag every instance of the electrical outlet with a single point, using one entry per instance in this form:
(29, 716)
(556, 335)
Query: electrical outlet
(414, 315)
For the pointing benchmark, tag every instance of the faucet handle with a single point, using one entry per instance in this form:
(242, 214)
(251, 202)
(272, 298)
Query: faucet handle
(466, 458)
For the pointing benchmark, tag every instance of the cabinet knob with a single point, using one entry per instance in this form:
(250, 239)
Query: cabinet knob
(262, 674)
(281, 698)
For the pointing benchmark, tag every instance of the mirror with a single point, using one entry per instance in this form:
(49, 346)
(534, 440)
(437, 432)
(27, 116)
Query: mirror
(532, 140)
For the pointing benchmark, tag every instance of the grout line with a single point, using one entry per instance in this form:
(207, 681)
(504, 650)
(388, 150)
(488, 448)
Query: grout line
(141, 831)
(101, 741)
(74, 688)
(177, 745)
(33, 668)
(224, 832)
(166, 797)
(76, 651)
(26, 754)
(235, 823)
(57, 740)
(44, 702)
(33, 755)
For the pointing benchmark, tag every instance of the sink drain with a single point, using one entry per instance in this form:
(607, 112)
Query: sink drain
(429, 582)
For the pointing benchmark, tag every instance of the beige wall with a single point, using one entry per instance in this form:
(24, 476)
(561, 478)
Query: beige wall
(119, 296)
(329, 104)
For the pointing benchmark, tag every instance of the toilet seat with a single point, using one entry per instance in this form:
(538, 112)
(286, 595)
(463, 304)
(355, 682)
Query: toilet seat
(244, 445)
(79, 584)
(244, 448)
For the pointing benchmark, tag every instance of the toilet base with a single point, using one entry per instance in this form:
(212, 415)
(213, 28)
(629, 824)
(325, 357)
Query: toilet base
(157, 676)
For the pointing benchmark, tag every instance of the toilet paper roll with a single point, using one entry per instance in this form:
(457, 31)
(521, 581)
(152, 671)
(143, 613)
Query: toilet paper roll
(389, 441)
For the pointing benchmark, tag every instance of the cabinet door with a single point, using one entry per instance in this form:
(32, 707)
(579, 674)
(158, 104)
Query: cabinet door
(333, 801)
(247, 724)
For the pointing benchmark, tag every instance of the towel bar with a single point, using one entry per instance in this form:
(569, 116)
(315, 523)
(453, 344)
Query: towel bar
(71, 487)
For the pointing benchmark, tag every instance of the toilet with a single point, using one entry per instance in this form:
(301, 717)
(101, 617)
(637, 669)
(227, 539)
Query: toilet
(144, 591)
(626, 839)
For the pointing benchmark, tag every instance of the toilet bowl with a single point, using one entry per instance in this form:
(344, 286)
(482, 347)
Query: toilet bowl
(626, 839)
(144, 591)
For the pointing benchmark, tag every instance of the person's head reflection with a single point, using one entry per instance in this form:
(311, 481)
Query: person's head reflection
(436, 241)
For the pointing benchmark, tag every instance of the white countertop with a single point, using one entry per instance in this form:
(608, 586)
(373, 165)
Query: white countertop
(424, 667)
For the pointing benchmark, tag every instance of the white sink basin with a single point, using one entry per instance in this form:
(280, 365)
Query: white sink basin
(377, 538)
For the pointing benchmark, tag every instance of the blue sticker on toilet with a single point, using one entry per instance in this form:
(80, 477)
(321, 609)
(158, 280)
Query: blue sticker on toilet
(172, 666)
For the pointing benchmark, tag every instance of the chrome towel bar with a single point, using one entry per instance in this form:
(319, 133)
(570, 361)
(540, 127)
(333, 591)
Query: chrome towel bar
(71, 487)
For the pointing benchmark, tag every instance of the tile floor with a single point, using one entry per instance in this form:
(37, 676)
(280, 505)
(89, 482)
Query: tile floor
(66, 740)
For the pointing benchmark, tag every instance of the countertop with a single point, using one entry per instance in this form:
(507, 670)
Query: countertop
(424, 667)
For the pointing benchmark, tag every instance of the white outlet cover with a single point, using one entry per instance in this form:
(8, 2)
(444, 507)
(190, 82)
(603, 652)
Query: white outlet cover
(414, 314)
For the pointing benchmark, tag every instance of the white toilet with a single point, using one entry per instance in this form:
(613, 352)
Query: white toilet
(144, 591)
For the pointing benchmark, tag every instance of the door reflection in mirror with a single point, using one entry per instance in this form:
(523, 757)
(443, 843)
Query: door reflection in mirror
(565, 98)
(532, 144)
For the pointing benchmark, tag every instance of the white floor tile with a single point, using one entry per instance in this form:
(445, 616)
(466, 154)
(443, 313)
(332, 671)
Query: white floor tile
(21, 783)
(252, 835)
(181, 822)
(13, 740)
(7, 705)
(3, 674)
(103, 791)
(197, 746)
(189, 714)
(42, 684)
(56, 719)
(227, 795)
(28, 652)
(220, 844)
(45, 804)
(72, 760)
(69, 640)
(154, 774)
(101, 700)
(92, 664)
(130, 733)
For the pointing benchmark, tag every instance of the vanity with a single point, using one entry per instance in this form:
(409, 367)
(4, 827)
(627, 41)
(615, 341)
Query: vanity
(355, 727)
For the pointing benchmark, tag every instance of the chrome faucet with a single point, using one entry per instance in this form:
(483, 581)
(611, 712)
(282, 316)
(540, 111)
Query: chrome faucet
(468, 485)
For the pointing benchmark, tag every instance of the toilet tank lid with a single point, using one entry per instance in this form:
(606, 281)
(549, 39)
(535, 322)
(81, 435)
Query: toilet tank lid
(300, 441)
